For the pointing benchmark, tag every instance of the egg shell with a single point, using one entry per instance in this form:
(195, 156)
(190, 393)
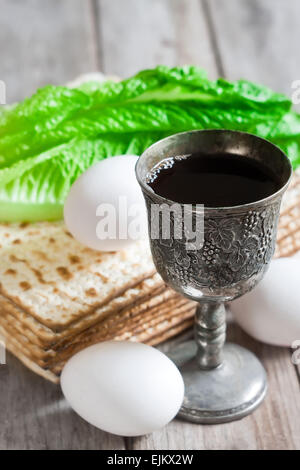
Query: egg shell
(271, 311)
(104, 183)
(124, 388)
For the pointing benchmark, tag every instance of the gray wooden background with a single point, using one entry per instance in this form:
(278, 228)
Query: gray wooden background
(53, 41)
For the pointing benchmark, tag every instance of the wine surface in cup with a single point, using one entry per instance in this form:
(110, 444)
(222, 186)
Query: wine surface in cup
(218, 180)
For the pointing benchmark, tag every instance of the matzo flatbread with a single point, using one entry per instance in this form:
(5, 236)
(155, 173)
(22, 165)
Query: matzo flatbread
(288, 239)
(46, 338)
(54, 376)
(148, 334)
(148, 329)
(29, 363)
(51, 276)
(107, 329)
(172, 309)
(112, 321)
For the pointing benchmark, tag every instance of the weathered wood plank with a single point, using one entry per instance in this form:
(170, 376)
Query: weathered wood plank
(34, 415)
(53, 41)
(142, 34)
(274, 425)
(44, 42)
(258, 40)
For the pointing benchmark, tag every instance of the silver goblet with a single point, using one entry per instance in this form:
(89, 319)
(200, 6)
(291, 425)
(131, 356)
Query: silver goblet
(222, 382)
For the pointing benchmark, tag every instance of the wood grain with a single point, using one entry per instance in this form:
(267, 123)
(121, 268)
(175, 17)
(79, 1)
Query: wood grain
(258, 40)
(41, 42)
(34, 415)
(143, 34)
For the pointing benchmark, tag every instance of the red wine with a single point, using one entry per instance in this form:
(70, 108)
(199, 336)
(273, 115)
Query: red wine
(219, 180)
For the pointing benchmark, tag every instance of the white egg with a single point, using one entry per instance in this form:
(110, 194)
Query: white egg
(105, 209)
(271, 311)
(124, 388)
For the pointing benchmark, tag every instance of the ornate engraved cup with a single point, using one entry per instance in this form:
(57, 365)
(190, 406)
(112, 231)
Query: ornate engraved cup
(222, 383)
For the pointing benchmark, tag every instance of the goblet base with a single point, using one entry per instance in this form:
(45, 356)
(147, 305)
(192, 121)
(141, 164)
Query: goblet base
(227, 393)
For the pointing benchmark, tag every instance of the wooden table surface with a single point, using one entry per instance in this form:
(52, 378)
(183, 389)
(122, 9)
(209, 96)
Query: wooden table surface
(53, 41)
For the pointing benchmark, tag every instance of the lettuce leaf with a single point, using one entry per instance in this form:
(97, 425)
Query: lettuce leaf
(49, 139)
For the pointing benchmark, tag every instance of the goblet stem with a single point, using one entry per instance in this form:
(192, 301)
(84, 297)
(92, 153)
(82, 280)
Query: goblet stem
(210, 333)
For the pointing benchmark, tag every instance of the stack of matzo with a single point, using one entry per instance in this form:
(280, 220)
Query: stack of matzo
(57, 297)
(288, 239)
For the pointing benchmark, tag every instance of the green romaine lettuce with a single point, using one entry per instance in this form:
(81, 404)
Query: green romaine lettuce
(48, 140)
